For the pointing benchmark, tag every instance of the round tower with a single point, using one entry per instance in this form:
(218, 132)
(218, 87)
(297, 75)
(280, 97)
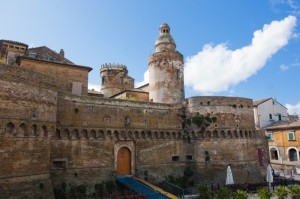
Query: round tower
(166, 83)
(114, 79)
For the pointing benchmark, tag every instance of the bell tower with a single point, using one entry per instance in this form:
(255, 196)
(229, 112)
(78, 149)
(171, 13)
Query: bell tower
(166, 70)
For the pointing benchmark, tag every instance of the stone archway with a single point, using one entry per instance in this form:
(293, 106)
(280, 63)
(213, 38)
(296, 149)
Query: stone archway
(124, 161)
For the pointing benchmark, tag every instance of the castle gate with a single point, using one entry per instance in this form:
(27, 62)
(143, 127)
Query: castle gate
(124, 161)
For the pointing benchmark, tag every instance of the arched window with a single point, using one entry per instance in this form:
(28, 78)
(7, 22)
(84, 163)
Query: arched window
(241, 134)
(34, 130)
(92, 134)
(293, 155)
(57, 134)
(274, 154)
(101, 134)
(84, 134)
(223, 134)
(23, 129)
(75, 134)
(215, 134)
(10, 127)
(44, 131)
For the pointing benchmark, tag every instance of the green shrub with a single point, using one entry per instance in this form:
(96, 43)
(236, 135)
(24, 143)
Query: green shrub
(294, 191)
(198, 120)
(204, 191)
(240, 194)
(281, 192)
(224, 193)
(264, 193)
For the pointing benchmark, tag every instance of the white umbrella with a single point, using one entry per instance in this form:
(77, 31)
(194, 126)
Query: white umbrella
(229, 177)
(269, 175)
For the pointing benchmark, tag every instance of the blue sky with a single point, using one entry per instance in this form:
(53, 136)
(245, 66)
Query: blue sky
(248, 48)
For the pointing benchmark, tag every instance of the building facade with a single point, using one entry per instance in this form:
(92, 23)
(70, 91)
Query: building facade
(268, 111)
(53, 134)
(284, 144)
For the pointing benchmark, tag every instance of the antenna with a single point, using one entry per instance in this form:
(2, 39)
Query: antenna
(273, 92)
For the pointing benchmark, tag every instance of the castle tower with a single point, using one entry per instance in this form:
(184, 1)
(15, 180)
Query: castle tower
(166, 83)
(114, 79)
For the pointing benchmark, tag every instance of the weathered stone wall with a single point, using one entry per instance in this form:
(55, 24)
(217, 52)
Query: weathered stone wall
(114, 79)
(133, 95)
(63, 74)
(166, 77)
(40, 126)
(27, 121)
(110, 114)
(232, 113)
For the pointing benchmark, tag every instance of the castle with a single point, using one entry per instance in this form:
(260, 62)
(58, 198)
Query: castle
(54, 131)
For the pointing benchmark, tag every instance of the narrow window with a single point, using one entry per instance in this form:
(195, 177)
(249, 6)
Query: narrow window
(279, 116)
(270, 116)
(291, 135)
(122, 80)
(175, 158)
(177, 74)
(270, 136)
(126, 121)
(59, 164)
(189, 157)
(32, 55)
(103, 80)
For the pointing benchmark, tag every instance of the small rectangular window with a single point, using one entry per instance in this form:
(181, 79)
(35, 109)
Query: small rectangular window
(270, 116)
(189, 157)
(291, 135)
(32, 55)
(270, 136)
(175, 158)
(279, 116)
(59, 164)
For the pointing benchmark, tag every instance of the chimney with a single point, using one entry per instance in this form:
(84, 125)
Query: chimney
(62, 53)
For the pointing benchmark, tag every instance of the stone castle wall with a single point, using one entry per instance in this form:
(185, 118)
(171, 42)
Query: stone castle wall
(63, 74)
(27, 121)
(40, 125)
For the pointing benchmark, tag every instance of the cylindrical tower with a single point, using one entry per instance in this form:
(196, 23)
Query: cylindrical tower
(114, 79)
(166, 70)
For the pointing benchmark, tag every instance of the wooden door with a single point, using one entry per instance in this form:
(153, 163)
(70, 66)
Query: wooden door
(124, 161)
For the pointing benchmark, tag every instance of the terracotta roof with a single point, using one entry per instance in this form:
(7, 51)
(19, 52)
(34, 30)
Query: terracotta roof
(290, 124)
(14, 42)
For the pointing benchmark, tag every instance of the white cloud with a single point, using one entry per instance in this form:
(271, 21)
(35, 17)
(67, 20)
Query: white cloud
(293, 108)
(94, 86)
(216, 68)
(293, 5)
(145, 81)
(284, 67)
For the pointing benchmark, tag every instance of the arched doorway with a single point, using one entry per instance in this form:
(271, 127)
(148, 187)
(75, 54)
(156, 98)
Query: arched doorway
(124, 161)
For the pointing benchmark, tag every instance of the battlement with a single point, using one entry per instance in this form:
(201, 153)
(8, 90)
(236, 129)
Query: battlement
(110, 66)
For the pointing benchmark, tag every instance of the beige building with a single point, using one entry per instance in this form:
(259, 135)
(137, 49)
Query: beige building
(284, 144)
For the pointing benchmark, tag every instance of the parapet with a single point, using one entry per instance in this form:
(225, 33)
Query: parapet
(110, 66)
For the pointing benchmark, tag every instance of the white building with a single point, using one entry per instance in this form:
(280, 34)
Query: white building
(267, 111)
